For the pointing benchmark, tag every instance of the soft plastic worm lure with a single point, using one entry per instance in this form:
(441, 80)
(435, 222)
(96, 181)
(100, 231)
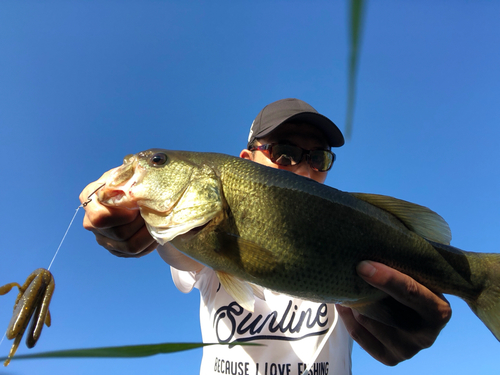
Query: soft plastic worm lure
(32, 303)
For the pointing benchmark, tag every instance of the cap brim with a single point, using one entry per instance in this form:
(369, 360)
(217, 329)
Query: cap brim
(332, 132)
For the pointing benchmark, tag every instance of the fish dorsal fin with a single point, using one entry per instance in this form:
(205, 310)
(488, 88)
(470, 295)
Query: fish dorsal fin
(418, 219)
(240, 290)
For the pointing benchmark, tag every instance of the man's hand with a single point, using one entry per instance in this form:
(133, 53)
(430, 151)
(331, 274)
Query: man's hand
(388, 344)
(122, 232)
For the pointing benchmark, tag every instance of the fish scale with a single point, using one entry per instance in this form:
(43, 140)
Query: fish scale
(313, 242)
(290, 234)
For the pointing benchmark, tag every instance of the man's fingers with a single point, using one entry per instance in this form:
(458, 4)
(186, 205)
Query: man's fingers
(404, 289)
(369, 342)
(133, 246)
(99, 216)
(121, 232)
(140, 254)
(386, 344)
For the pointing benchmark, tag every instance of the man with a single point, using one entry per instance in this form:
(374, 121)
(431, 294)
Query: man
(288, 134)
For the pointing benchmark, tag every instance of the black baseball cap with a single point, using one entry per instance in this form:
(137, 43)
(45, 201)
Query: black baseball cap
(293, 110)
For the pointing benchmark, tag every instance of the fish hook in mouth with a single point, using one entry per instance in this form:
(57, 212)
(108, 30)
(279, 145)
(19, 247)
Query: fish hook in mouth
(118, 190)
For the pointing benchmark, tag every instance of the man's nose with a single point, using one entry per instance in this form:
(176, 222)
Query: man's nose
(303, 169)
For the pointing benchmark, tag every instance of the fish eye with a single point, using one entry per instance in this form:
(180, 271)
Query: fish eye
(158, 159)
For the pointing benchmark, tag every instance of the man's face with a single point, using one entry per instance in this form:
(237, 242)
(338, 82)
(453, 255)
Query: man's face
(306, 136)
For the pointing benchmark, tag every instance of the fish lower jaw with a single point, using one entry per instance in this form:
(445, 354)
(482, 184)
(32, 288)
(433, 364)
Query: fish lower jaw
(117, 198)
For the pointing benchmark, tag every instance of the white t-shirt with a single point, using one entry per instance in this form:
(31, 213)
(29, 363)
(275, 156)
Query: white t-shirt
(292, 329)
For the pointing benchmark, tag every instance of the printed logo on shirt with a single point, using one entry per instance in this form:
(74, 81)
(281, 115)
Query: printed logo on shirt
(223, 366)
(292, 325)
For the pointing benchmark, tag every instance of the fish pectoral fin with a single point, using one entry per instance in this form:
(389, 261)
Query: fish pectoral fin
(240, 290)
(390, 312)
(258, 291)
(418, 219)
(253, 259)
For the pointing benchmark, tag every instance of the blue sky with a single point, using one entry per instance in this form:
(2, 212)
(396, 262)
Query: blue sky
(83, 83)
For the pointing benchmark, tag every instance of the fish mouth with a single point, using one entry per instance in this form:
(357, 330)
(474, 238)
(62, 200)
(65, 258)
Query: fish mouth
(118, 190)
(115, 198)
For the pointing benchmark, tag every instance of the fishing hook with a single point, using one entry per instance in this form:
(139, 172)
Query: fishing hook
(84, 204)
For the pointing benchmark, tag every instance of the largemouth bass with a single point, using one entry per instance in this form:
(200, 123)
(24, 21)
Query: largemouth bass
(258, 225)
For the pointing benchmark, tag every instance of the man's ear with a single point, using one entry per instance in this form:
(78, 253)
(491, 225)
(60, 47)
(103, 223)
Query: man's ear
(246, 154)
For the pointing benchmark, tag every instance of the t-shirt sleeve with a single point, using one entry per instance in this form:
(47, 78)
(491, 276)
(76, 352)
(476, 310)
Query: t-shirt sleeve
(205, 280)
(183, 280)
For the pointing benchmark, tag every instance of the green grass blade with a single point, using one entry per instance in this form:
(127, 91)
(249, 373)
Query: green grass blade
(356, 26)
(132, 351)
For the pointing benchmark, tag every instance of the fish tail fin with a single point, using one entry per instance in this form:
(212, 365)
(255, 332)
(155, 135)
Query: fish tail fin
(487, 305)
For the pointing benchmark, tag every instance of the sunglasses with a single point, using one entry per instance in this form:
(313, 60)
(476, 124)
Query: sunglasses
(287, 155)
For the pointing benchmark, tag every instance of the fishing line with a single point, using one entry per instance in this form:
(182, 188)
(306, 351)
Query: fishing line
(84, 204)
(65, 233)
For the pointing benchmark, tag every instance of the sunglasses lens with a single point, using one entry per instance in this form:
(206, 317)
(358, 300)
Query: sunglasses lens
(321, 160)
(286, 154)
